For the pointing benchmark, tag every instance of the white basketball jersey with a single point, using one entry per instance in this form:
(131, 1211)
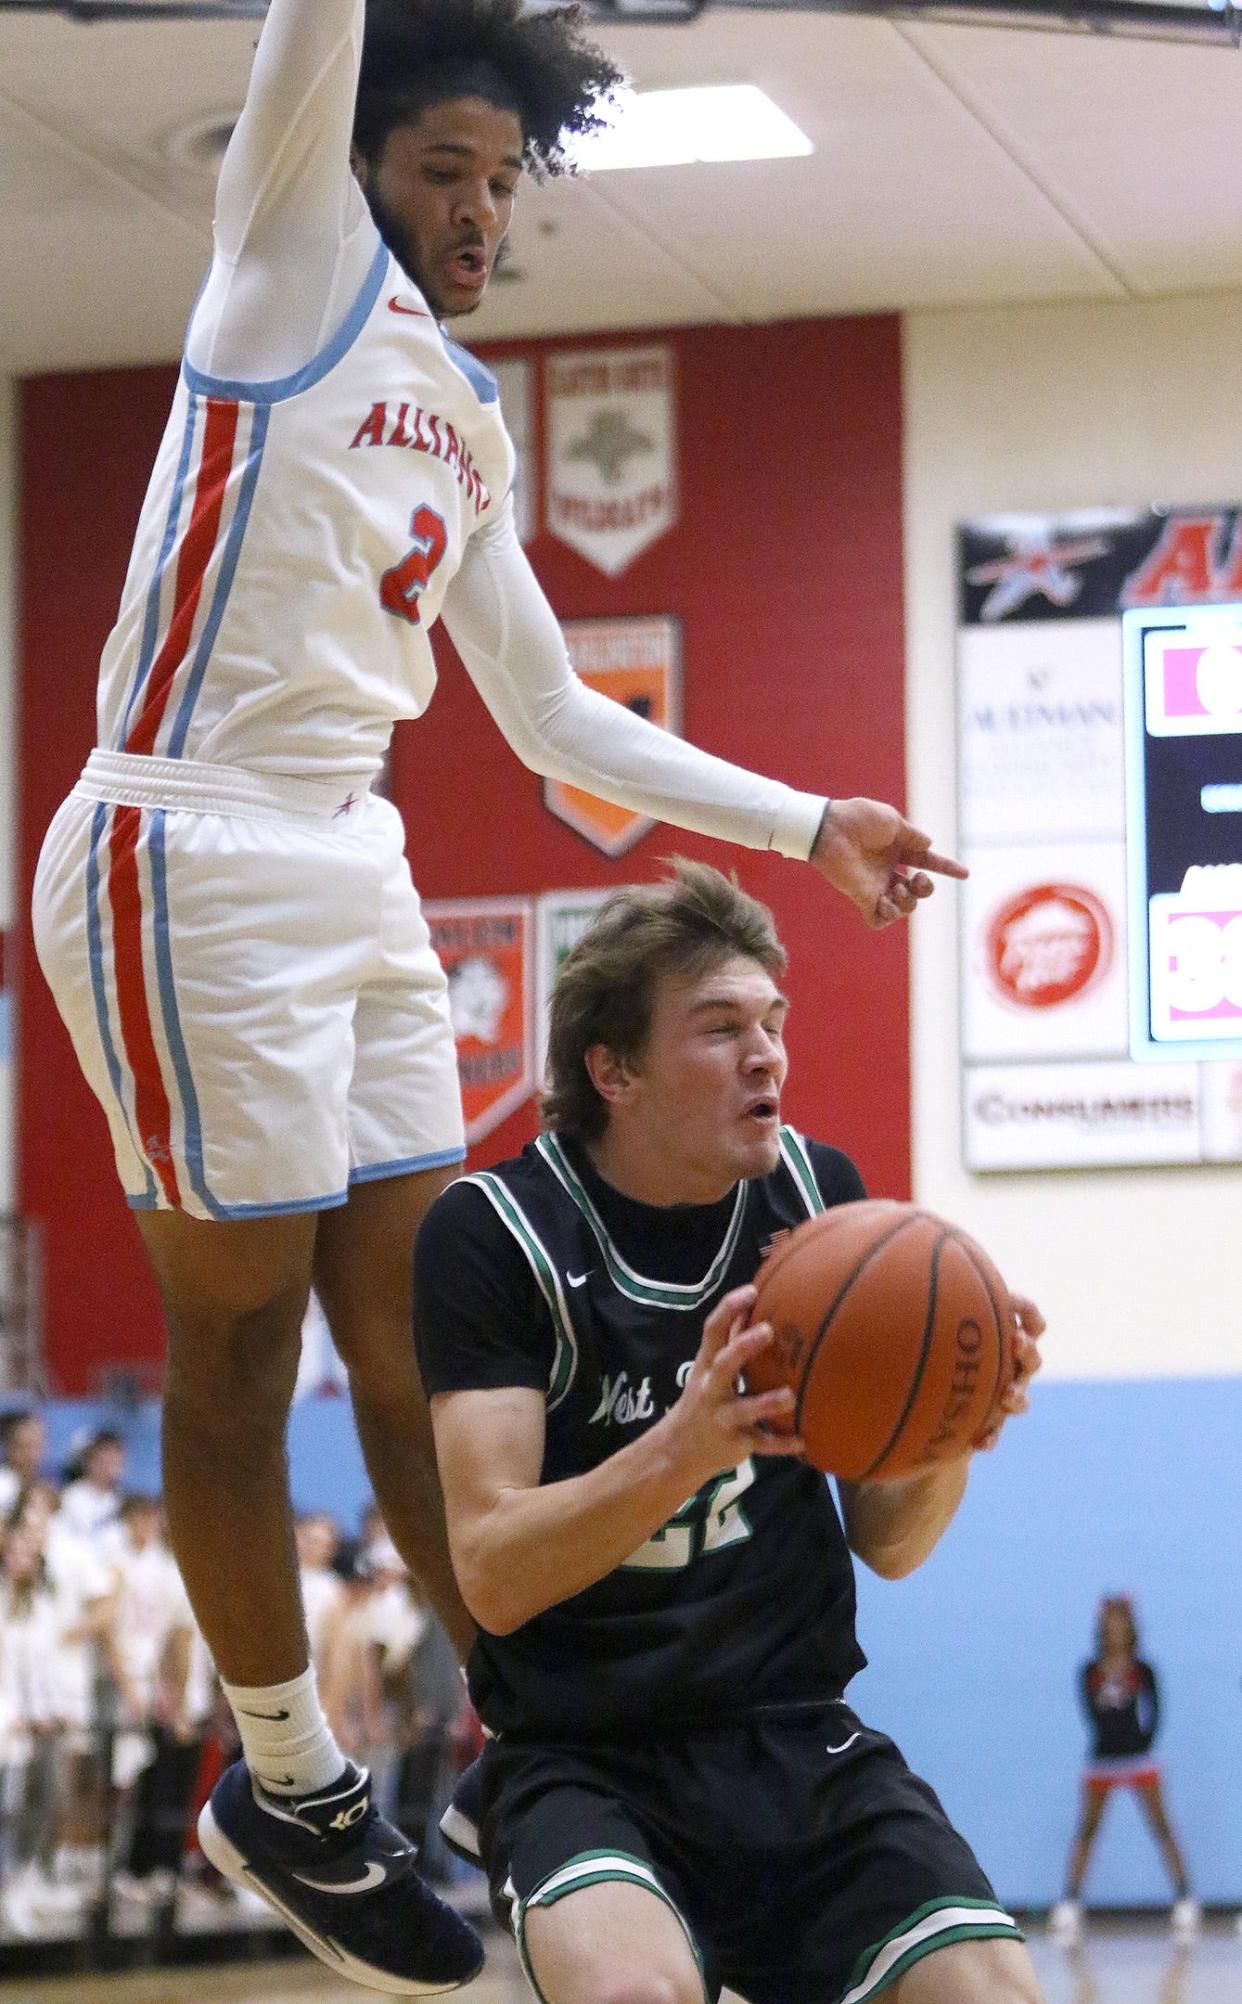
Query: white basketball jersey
(295, 545)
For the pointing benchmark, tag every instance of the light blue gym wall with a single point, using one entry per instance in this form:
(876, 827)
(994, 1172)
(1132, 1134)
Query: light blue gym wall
(1104, 1487)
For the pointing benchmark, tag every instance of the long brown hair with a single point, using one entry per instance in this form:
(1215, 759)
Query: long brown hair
(1115, 1603)
(604, 993)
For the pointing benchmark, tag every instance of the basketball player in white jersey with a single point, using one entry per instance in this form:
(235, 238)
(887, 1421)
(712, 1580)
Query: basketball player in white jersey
(222, 906)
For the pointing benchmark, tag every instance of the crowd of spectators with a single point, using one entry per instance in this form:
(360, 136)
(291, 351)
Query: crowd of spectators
(112, 1728)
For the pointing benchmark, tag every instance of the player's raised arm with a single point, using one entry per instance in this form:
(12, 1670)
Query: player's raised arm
(290, 148)
(508, 636)
(293, 237)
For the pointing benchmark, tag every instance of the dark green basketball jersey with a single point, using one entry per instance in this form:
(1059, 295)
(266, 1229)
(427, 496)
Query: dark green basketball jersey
(539, 1273)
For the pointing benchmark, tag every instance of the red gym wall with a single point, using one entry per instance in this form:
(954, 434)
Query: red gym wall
(785, 572)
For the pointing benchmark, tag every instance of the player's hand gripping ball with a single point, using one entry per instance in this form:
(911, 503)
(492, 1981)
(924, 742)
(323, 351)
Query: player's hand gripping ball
(895, 1333)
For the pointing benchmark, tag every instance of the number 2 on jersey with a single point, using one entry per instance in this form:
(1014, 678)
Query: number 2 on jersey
(403, 585)
(711, 1519)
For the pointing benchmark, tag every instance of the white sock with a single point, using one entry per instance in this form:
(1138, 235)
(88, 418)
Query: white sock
(287, 1742)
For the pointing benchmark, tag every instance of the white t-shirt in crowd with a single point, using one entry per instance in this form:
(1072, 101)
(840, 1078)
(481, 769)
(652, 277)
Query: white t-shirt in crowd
(88, 1509)
(151, 1604)
(322, 1596)
(79, 1578)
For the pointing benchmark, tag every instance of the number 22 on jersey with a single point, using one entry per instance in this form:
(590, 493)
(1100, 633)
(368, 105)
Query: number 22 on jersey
(712, 1519)
(403, 584)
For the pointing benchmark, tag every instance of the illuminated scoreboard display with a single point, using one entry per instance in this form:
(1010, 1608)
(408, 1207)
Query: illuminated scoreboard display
(1183, 711)
(1100, 775)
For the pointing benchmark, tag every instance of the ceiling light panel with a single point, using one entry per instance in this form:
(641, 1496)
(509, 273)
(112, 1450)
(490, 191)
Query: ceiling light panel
(673, 128)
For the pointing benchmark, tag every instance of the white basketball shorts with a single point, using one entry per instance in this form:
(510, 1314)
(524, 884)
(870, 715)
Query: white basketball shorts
(249, 983)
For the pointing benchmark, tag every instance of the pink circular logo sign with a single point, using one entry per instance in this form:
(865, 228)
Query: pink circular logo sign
(1048, 944)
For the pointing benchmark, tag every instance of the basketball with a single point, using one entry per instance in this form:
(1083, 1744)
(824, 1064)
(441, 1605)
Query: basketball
(894, 1332)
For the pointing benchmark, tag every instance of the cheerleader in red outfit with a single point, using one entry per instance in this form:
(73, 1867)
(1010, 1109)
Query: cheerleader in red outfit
(1122, 1701)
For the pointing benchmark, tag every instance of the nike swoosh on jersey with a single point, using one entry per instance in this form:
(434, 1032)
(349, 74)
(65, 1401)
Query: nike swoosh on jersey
(578, 1279)
(395, 306)
(844, 1744)
(374, 1875)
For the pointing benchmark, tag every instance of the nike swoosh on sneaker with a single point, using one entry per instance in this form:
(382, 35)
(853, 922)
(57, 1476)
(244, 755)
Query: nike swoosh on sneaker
(274, 1716)
(374, 1875)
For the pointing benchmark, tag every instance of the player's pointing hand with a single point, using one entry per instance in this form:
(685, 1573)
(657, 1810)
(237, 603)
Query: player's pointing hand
(868, 851)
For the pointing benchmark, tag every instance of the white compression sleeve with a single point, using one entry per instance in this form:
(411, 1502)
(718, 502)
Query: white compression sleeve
(506, 633)
(293, 236)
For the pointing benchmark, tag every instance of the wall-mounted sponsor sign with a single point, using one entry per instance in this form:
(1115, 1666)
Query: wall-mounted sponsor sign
(1040, 730)
(1044, 962)
(611, 480)
(486, 947)
(1048, 944)
(636, 662)
(1093, 1115)
(1100, 734)
(1093, 563)
(1220, 1087)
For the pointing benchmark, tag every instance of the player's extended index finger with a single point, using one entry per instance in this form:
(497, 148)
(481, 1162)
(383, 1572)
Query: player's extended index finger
(916, 853)
(944, 866)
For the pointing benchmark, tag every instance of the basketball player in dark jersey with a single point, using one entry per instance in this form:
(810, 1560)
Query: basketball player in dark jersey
(678, 1796)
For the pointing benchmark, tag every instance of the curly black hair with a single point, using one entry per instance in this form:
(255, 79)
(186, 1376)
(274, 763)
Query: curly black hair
(417, 53)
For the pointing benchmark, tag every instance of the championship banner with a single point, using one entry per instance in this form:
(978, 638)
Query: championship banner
(1100, 775)
(611, 451)
(638, 663)
(486, 948)
(561, 919)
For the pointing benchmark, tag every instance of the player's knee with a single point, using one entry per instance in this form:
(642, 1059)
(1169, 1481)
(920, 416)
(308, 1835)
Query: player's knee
(379, 1358)
(376, 1351)
(239, 1369)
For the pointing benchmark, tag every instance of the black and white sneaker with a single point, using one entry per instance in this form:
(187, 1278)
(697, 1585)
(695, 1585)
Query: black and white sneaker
(344, 1880)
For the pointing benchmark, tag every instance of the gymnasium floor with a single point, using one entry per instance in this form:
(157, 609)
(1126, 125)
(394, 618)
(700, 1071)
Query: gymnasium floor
(1115, 1966)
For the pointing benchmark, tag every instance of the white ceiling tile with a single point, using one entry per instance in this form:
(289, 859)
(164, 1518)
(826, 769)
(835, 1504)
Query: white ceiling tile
(1138, 141)
(907, 199)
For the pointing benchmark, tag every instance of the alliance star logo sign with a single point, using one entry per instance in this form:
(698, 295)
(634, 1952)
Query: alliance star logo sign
(608, 442)
(1037, 566)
